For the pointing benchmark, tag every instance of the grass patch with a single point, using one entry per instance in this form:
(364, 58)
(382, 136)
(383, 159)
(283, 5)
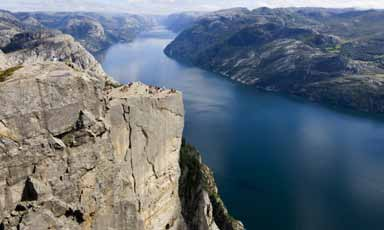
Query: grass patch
(4, 74)
(379, 56)
(335, 49)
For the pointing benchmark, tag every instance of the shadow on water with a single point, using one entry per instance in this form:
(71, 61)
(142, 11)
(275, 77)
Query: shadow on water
(280, 162)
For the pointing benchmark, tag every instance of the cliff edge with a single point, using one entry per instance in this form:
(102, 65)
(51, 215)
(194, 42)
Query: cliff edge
(78, 151)
(77, 156)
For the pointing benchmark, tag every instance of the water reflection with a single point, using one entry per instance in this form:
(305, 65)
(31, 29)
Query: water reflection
(280, 163)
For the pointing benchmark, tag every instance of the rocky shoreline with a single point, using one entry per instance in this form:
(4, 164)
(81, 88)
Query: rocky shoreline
(293, 51)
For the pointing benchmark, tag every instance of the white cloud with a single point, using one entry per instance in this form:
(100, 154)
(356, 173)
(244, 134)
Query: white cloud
(167, 6)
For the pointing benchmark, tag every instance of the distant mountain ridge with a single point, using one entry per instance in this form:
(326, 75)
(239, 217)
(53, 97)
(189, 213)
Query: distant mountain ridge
(9, 26)
(326, 55)
(95, 31)
(24, 44)
(179, 21)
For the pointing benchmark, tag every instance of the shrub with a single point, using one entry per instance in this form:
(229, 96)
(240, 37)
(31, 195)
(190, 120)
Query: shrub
(8, 72)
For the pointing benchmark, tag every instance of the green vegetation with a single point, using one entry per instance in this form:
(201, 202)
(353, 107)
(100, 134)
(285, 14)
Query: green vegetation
(8, 72)
(190, 165)
(198, 173)
(70, 64)
(68, 139)
(112, 84)
(379, 56)
(335, 49)
(197, 176)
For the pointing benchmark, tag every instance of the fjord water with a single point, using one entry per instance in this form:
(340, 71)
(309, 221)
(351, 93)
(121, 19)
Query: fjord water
(280, 163)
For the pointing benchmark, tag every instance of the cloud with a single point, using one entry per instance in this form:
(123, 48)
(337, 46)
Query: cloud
(168, 6)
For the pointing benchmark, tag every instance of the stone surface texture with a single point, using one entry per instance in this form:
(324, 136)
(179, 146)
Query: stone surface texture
(47, 45)
(77, 153)
(77, 156)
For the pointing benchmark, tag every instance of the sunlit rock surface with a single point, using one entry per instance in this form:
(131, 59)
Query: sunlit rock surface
(46, 45)
(75, 155)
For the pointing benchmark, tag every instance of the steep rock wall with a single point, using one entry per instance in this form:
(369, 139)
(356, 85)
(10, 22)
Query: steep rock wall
(202, 207)
(77, 156)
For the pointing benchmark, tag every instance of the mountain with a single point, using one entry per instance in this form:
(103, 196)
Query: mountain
(9, 26)
(325, 55)
(80, 151)
(95, 31)
(45, 45)
(180, 21)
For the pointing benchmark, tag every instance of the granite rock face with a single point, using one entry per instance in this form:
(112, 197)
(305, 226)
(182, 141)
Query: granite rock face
(46, 45)
(77, 152)
(178, 22)
(75, 155)
(26, 41)
(88, 31)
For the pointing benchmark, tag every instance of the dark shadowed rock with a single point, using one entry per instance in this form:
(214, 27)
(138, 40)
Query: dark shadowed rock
(9, 26)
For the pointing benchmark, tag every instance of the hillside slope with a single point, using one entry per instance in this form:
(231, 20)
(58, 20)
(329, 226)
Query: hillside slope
(329, 56)
(95, 31)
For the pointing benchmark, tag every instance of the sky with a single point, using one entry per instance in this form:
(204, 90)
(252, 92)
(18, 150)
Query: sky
(171, 6)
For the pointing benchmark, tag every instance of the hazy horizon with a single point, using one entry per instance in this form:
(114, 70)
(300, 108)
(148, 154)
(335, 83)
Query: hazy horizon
(173, 6)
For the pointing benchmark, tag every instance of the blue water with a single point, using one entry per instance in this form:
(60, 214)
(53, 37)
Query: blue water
(280, 162)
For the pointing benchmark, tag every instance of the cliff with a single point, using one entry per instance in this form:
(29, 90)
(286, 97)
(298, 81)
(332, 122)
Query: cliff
(80, 151)
(9, 26)
(45, 45)
(178, 22)
(202, 207)
(79, 154)
(335, 57)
